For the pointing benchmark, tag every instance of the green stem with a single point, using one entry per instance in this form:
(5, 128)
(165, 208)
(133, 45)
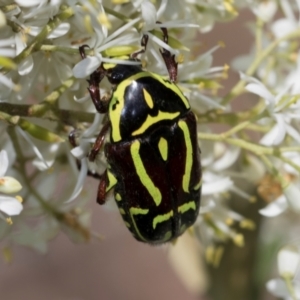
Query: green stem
(36, 42)
(11, 113)
(117, 15)
(258, 150)
(238, 88)
(290, 149)
(242, 125)
(258, 35)
(33, 129)
(232, 118)
(53, 97)
(290, 287)
(255, 148)
(290, 162)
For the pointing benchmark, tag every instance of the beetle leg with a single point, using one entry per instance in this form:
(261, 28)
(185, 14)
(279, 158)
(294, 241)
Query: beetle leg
(82, 52)
(101, 195)
(99, 141)
(144, 43)
(169, 59)
(96, 77)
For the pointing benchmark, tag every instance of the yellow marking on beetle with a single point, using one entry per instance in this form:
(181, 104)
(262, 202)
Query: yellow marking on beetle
(162, 218)
(163, 148)
(198, 185)
(152, 120)
(122, 211)
(172, 86)
(148, 99)
(137, 211)
(118, 197)
(142, 173)
(116, 104)
(187, 206)
(112, 180)
(117, 101)
(189, 156)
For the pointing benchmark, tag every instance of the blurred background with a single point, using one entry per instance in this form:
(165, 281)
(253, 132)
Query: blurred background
(118, 267)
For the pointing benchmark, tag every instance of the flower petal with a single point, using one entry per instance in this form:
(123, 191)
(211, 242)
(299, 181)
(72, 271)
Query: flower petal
(288, 260)
(149, 15)
(282, 27)
(260, 90)
(34, 147)
(277, 287)
(228, 159)
(59, 31)
(28, 3)
(3, 162)
(293, 133)
(82, 99)
(275, 208)
(274, 136)
(80, 180)
(292, 193)
(25, 66)
(79, 152)
(86, 66)
(265, 10)
(11, 206)
(218, 185)
(9, 185)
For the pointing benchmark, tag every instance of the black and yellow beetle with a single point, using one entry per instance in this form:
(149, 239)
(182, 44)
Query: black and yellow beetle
(153, 154)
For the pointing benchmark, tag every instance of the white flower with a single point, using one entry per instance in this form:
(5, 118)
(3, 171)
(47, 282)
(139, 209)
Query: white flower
(278, 288)
(265, 10)
(289, 199)
(39, 71)
(288, 24)
(279, 109)
(89, 64)
(8, 204)
(275, 208)
(29, 3)
(191, 75)
(214, 184)
(288, 259)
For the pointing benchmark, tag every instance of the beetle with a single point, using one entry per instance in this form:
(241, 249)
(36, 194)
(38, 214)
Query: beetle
(153, 155)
